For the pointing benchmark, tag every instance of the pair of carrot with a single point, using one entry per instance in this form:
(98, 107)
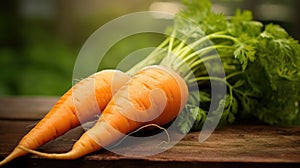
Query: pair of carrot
(155, 95)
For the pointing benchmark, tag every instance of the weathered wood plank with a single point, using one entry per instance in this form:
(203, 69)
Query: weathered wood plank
(25, 108)
(239, 143)
(233, 146)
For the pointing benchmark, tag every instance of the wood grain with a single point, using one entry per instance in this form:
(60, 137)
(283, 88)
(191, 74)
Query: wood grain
(233, 146)
(25, 108)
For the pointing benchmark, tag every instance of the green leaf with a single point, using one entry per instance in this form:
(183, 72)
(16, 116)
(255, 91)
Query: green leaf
(191, 118)
(242, 24)
(242, 15)
(275, 31)
(244, 53)
(239, 83)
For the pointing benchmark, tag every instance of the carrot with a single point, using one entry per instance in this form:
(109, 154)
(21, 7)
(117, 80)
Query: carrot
(82, 103)
(155, 95)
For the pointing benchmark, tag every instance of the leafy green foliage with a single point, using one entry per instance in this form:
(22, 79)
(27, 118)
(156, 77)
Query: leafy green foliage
(279, 62)
(244, 53)
(194, 114)
(261, 62)
(270, 88)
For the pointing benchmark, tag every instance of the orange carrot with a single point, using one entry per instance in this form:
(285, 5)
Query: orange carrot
(82, 103)
(155, 95)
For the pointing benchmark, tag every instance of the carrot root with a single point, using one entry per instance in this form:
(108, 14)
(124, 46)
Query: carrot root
(61, 156)
(142, 127)
(71, 154)
(13, 155)
(78, 105)
(131, 109)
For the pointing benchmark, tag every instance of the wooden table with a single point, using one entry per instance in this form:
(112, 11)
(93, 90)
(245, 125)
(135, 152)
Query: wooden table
(241, 145)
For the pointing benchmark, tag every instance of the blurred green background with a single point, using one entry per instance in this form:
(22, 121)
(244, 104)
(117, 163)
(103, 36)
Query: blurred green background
(40, 39)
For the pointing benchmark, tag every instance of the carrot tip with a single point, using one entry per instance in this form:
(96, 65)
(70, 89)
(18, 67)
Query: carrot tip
(14, 154)
(68, 155)
(3, 162)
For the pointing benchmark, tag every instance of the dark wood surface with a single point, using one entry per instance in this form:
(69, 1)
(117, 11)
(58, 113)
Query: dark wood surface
(241, 145)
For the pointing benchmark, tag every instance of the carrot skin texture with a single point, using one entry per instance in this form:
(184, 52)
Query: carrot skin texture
(82, 103)
(130, 108)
